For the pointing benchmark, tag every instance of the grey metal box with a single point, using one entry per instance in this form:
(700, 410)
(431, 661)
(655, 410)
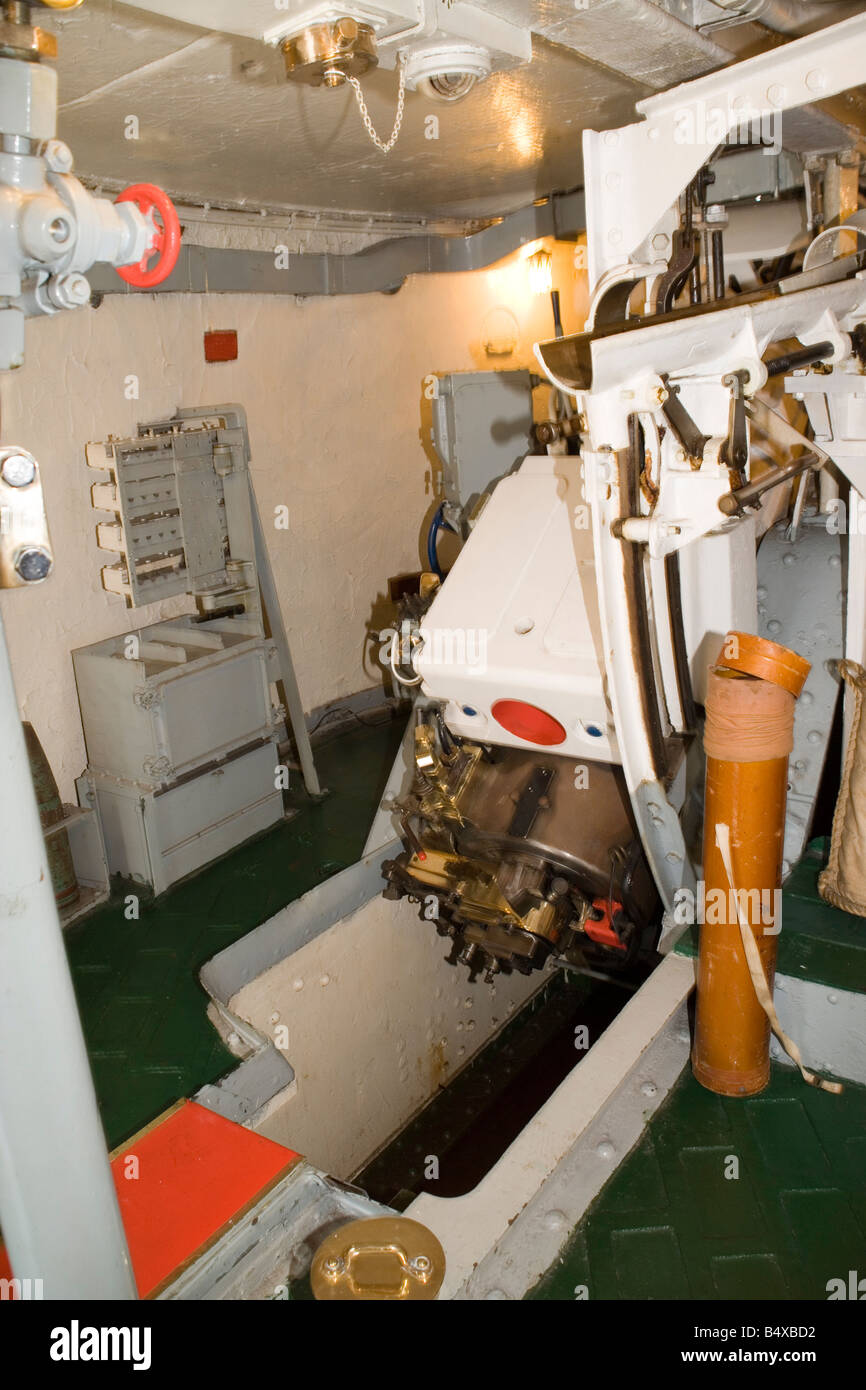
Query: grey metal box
(482, 422)
(158, 837)
(160, 702)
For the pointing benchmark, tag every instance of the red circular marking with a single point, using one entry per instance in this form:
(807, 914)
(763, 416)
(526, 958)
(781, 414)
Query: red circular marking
(528, 722)
(166, 240)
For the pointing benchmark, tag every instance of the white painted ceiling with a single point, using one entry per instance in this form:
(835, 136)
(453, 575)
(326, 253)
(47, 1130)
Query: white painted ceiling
(218, 122)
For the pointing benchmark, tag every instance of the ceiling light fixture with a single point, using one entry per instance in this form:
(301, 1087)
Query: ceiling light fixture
(541, 272)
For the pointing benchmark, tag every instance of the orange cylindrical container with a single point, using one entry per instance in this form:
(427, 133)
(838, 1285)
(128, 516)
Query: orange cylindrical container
(747, 739)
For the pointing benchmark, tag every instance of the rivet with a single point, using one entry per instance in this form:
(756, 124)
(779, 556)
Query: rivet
(18, 470)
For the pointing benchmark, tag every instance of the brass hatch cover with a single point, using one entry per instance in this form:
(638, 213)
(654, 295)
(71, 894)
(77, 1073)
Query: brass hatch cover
(378, 1258)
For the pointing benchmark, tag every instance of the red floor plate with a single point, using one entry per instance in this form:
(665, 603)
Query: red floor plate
(194, 1171)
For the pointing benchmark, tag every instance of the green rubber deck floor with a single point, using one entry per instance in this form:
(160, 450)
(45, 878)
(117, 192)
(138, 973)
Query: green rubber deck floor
(142, 1007)
(670, 1225)
(817, 942)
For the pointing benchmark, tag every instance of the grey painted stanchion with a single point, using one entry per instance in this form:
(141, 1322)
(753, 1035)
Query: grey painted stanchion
(58, 1207)
(291, 689)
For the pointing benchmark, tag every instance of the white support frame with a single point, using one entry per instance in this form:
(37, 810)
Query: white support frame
(635, 174)
(627, 376)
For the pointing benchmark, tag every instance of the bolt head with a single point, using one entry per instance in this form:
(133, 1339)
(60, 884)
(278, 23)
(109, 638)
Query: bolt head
(74, 288)
(346, 30)
(33, 564)
(18, 470)
(57, 156)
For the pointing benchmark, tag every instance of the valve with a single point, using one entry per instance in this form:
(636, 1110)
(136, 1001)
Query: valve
(166, 240)
(604, 924)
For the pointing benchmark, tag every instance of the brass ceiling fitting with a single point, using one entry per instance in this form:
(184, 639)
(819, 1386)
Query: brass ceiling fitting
(326, 54)
(379, 1258)
(20, 39)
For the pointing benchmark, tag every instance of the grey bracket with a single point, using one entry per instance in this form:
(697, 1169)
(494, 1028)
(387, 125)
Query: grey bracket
(482, 423)
(800, 606)
(242, 1094)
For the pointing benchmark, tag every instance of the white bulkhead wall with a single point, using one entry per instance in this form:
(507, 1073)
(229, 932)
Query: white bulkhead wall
(339, 430)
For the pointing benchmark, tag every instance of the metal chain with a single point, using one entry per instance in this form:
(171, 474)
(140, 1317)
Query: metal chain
(384, 146)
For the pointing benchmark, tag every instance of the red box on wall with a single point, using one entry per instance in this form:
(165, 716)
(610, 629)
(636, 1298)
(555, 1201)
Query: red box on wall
(221, 345)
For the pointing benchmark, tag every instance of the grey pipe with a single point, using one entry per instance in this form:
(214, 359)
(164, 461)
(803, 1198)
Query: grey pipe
(381, 268)
(794, 17)
(58, 1207)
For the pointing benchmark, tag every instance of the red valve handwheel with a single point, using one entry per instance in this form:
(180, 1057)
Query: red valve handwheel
(166, 242)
